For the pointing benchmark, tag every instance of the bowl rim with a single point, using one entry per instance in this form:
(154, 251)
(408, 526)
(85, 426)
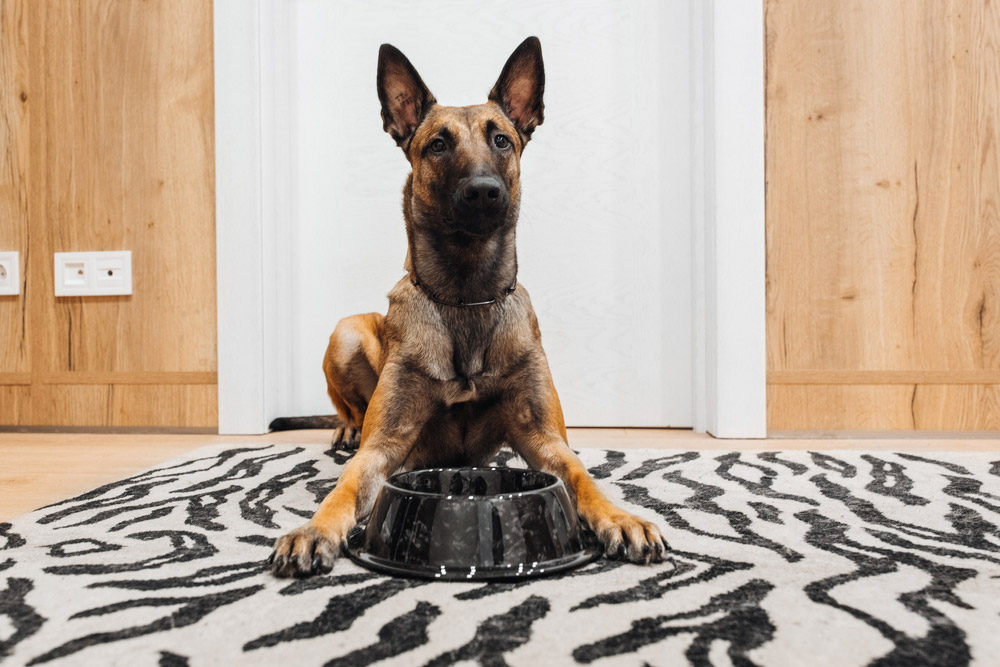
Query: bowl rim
(355, 551)
(554, 484)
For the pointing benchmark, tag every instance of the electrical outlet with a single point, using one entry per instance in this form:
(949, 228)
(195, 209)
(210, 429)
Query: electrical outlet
(10, 273)
(112, 274)
(93, 273)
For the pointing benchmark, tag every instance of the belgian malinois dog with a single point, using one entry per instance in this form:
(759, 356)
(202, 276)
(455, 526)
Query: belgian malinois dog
(455, 369)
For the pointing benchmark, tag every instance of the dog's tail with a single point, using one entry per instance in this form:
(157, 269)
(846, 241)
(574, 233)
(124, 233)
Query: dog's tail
(296, 423)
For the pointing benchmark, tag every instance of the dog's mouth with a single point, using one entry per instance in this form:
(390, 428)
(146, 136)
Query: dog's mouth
(476, 223)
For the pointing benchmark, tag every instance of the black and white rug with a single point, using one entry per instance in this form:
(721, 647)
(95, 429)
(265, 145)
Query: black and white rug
(781, 558)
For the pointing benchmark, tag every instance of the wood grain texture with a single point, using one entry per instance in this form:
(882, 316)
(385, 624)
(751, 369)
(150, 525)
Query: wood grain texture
(125, 134)
(883, 212)
(925, 407)
(983, 376)
(123, 405)
(15, 404)
(14, 162)
(143, 377)
(107, 137)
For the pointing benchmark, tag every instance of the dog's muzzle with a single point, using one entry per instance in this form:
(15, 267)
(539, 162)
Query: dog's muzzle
(479, 199)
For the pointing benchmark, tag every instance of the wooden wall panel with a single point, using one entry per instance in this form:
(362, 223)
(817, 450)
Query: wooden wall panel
(114, 150)
(929, 407)
(14, 161)
(883, 213)
(124, 405)
(126, 133)
(15, 404)
(190, 405)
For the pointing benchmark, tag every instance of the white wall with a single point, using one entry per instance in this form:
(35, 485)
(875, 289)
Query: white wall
(660, 105)
(604, 236)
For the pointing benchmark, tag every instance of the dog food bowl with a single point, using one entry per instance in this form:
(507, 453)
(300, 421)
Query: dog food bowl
(472, 524)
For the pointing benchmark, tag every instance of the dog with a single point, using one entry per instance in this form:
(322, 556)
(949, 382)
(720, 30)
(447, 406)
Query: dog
(455, 369)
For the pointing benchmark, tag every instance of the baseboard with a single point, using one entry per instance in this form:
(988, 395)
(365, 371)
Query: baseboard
(819, 434)
(179, 430)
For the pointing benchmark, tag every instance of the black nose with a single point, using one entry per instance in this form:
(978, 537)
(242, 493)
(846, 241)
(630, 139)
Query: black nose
(482, 190)
(483, 194)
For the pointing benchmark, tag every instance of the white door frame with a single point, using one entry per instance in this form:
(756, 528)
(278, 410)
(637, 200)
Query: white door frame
(252, 46)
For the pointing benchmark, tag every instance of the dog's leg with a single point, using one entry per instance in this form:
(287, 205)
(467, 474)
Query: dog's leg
(397, 413)
(352, 364)
(538, 434)
(623, 535)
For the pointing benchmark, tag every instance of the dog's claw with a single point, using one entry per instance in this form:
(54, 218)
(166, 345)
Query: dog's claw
(317, 564)
(305, 551)
(627, 537)
(346, 438)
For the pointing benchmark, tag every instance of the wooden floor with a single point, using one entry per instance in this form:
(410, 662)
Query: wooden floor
(41, 468)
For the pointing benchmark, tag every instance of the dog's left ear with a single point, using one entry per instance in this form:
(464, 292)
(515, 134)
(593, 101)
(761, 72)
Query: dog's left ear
(519, 89)
(404, 97)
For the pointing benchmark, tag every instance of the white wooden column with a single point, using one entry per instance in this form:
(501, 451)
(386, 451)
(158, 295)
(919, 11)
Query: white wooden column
(730, 356)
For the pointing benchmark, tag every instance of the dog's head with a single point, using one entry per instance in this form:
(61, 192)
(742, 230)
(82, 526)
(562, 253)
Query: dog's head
(465, 160)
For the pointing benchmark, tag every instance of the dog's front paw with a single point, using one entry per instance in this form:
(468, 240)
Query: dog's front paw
(305, 551)
(628, 537)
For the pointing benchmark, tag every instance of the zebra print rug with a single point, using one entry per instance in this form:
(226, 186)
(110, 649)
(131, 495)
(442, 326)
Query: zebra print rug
(780, 558)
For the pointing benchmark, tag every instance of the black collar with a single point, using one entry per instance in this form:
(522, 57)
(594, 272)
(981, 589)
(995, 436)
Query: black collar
(415, 279)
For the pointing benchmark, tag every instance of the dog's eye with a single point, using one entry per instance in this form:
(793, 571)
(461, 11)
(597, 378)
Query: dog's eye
(438, 146)
(501, 141)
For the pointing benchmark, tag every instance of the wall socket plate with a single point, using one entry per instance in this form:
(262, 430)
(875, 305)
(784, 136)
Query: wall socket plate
(10, 273)
(93, 273)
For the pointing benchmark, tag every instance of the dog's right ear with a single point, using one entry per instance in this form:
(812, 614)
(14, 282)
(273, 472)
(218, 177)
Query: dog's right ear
(404, 97)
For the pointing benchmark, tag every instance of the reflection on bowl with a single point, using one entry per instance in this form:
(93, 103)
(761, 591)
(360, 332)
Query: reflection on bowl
(471, 524)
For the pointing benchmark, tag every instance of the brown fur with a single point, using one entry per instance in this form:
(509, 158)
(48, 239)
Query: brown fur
(435, 384)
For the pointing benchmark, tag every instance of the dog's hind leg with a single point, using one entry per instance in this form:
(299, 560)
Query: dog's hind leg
(352, 365)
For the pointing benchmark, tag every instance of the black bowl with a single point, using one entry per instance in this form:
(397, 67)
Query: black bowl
(470, 524)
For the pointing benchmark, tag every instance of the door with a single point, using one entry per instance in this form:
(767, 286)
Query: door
(604, 239)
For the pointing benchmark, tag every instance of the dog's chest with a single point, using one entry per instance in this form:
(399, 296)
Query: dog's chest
(468, 357)
(473, 371)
